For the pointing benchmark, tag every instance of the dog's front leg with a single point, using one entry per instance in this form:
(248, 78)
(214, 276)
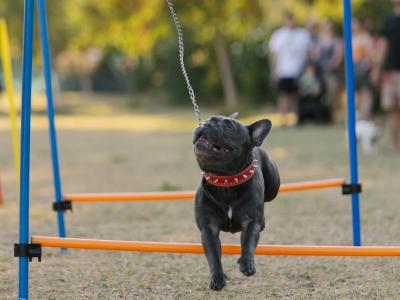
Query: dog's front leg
(212, 250)
(249, 240)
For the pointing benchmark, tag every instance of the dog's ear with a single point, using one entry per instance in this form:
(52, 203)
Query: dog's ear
(259, 131)
(234, 115)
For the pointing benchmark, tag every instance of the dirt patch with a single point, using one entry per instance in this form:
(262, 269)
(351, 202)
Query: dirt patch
(111, 161)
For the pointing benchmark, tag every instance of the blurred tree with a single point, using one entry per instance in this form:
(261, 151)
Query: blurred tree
(12, 11)
(219, 23)
(59, 30)
(131, 26)
(304, 9)
(226, 40)
(134, 27)
(374, 12)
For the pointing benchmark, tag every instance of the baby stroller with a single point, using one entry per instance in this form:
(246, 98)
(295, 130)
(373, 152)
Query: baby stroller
(311, 102)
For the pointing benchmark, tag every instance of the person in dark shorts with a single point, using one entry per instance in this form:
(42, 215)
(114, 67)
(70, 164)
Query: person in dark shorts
(287, 85)
(289, 48)
(387, 71)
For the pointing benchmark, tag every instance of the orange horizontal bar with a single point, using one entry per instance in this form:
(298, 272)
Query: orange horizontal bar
(312, 185)
(139, 196)
(189, 195)
(226, 249)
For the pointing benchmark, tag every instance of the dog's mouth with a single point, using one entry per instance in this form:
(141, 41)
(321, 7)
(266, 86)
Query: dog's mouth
(216, 148)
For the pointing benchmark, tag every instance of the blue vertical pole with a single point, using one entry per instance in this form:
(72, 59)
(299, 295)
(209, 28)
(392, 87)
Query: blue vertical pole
(351, 120)
(29, 9)
(50, 112)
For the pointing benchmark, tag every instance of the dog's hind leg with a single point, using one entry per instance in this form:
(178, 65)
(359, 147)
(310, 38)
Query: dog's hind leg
(212, 250)
(249, 240)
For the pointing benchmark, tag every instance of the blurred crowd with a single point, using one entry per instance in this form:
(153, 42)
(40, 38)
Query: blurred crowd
(306, 62)
(307, 67)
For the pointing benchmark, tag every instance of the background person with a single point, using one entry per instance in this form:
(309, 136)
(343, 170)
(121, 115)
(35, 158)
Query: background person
(388, 70)
(363, 57)
(289, 47)
(329, 55)
(312, 26)
(311, 104)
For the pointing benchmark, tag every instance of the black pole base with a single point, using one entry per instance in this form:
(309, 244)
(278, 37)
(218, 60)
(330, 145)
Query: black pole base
(62, 205)
(28, 250)
(348, 188)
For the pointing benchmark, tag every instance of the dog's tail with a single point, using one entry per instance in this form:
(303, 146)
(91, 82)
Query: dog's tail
(273, 185)
(272, 181)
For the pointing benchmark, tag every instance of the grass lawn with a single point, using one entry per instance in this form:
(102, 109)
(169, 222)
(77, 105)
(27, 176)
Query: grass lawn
(107, 160)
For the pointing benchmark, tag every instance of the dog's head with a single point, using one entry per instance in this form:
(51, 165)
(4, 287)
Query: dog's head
(223, 145)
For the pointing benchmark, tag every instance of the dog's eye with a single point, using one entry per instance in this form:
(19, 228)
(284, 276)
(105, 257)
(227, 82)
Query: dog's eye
(228, 127)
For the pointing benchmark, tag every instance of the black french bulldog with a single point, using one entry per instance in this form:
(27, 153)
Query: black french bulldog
(238, 177)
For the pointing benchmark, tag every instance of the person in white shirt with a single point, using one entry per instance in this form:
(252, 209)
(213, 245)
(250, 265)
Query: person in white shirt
(289, 48)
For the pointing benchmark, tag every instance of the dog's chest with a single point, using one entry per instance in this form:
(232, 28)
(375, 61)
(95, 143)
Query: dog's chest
(233, 218)
(229, 212)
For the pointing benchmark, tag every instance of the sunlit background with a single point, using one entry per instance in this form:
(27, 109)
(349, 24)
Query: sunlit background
(124, 124)
(130, 47)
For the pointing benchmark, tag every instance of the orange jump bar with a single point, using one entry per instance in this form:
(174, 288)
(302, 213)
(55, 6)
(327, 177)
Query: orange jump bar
(189, 195)
(92, 244)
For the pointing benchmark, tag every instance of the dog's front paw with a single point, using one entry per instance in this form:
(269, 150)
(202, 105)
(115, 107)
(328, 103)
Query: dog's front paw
(247, 266)
(218, 281)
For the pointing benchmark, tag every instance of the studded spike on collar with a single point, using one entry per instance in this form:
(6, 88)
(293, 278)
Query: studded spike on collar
(232, 180)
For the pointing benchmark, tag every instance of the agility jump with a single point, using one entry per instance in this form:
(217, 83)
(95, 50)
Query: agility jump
(189, 195)
(27, 249)
(191, 248)
(63, 202)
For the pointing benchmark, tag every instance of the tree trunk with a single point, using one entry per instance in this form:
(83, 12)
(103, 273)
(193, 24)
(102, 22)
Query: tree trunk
(225, 73)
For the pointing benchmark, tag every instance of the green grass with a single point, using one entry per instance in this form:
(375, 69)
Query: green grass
(117, 161)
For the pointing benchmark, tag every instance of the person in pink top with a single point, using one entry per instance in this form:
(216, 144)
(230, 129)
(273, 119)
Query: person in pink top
(363, 59)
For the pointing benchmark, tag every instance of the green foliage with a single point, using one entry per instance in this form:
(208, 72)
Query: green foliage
(113, 74)
(141, 33)
(251, 69)
(12, 11)
(374, 12)
(131, 26)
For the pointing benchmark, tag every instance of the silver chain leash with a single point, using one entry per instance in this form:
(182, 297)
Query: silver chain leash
(182, 62)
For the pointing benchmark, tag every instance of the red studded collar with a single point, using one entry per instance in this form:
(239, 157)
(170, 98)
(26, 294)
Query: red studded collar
(232, 180)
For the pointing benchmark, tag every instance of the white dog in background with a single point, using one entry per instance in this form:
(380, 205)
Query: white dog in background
(368, 133)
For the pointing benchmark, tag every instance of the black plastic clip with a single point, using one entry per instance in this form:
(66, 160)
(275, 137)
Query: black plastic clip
(63, 205)
(349, 188)
(28, 250)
